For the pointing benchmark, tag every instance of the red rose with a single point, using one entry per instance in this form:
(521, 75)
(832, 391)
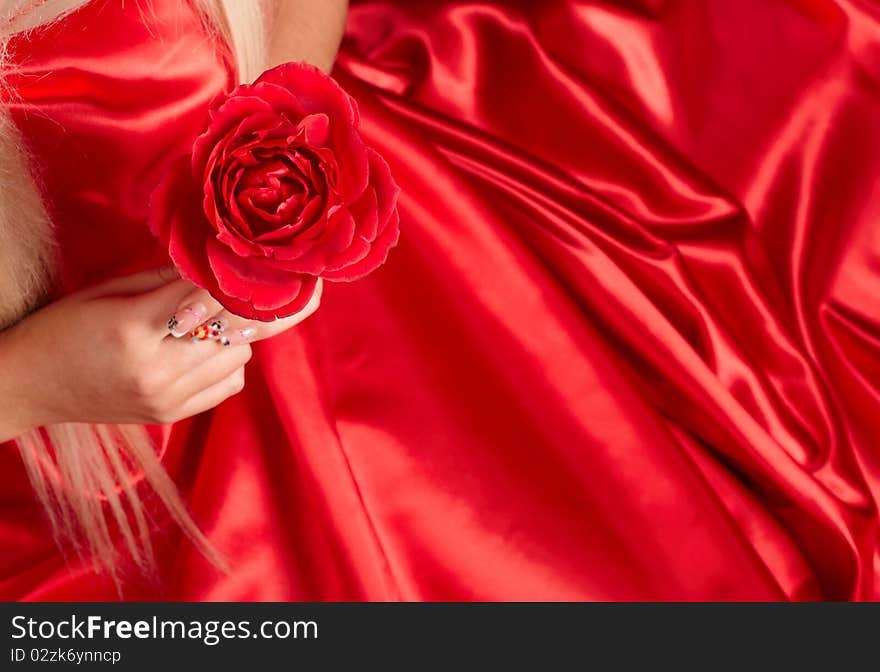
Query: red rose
(279, 191)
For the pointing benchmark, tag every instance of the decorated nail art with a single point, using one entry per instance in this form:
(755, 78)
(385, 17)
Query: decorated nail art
(239, 336)
(187, 319)
(210, 331)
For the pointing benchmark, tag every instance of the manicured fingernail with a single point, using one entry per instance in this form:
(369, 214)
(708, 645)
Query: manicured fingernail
(186, 319)
(239, 336)
(212, 330)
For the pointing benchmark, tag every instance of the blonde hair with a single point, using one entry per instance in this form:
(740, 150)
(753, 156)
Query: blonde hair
(85, 476)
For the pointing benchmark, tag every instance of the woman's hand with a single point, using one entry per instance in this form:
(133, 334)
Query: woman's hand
(106, 354)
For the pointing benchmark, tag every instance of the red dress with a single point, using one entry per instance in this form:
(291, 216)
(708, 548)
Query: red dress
(627, 348)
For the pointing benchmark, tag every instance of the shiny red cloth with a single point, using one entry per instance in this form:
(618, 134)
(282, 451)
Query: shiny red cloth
(627, 348)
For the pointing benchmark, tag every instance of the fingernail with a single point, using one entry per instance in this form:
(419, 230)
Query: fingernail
(212, 330)
(239, 336)
(186, 319)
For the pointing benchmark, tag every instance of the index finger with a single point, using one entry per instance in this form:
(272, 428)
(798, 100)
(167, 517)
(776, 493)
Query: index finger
(137, 283)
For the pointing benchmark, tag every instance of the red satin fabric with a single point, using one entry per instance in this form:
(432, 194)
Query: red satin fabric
(628, 347)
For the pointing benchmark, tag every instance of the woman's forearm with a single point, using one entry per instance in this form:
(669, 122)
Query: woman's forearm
(307, 30)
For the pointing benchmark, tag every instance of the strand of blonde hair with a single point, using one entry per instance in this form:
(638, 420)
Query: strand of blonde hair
(86, 476)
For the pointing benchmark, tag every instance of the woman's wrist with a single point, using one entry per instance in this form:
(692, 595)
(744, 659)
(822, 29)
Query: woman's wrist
(19, 404)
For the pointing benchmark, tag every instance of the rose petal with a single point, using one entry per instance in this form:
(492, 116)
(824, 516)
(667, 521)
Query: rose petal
(230, 226)
(177, 221)
(311, 256)
(315, 129)
(381, 179)
(381, 223)
(358, 250)
(259, 282)
(254, 147)
(284, 101)
(366, 215)
(223, 122)
(352, 154)
(378, 254)
(227, 209)
(316, 91)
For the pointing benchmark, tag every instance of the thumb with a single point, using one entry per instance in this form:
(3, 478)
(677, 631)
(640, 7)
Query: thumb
(138, 283)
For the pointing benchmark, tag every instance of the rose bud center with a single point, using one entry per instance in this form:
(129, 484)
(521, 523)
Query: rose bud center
(284, 190)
